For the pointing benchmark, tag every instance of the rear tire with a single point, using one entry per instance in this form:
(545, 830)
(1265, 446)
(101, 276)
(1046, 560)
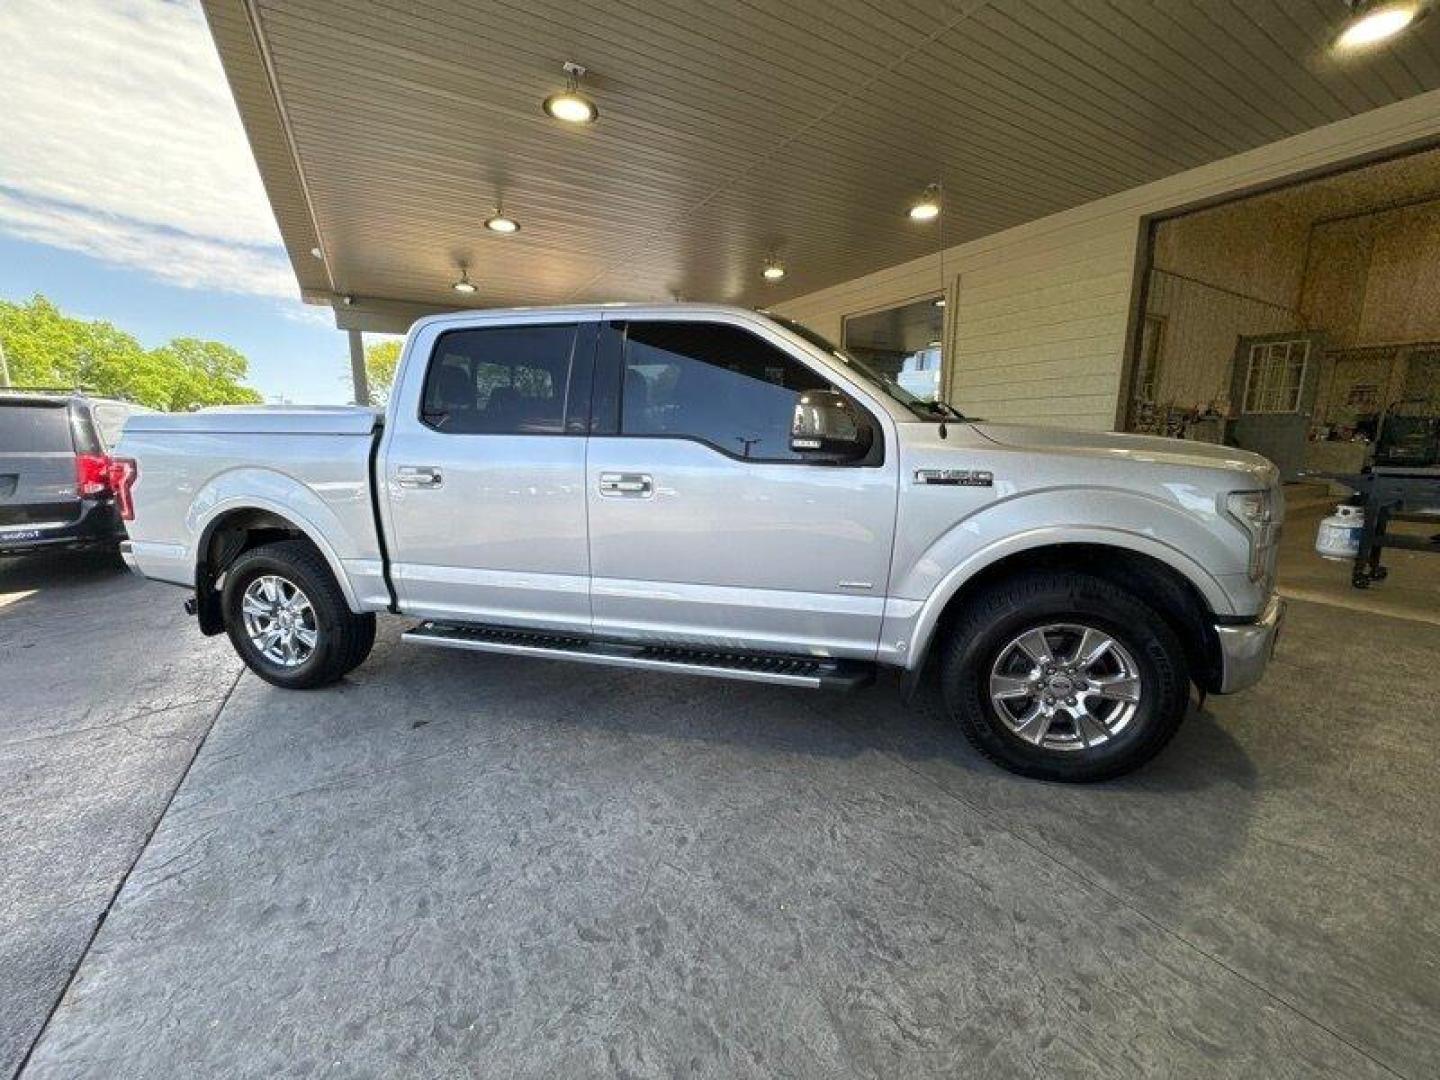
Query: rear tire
(288, 619)
(1034, 706)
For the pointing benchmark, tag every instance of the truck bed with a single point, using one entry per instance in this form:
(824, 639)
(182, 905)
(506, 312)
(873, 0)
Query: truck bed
(311, 465)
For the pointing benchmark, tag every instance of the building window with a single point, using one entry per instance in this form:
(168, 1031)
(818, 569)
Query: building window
(1276, 376)
(901, 342)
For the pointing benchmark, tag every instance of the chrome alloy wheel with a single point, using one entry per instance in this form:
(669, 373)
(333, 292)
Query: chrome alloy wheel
(279, 620)
(1065, 686)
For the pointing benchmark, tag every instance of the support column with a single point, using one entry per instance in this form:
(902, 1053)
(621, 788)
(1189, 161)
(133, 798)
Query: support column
(357, 368)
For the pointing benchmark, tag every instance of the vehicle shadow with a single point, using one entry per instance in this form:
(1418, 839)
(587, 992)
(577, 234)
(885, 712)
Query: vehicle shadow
(1179, 818)
(23, 578)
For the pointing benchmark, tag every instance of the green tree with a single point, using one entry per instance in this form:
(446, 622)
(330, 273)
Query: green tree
(48, 348)
(381, 359)
(205, 373)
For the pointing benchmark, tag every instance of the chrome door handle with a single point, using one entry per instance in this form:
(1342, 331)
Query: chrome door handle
(418, 476)
(626, 484)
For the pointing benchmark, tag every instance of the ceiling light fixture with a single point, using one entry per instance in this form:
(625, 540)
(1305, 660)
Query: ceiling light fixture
(927, 208)
(774, 270)
(498, 222)
(464, 285)
(570, 106)
(1371, 23)
(940, 302)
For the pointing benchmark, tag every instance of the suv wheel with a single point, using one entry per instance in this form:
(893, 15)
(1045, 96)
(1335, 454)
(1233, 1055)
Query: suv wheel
(288, 619)
(1064, 677)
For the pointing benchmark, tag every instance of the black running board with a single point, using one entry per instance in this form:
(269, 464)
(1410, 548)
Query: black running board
(815, 673)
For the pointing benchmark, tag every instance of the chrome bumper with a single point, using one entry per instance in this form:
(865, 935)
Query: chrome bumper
(129, 558)
(1245, 650)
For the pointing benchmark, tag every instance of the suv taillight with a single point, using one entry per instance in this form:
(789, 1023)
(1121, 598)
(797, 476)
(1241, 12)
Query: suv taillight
(122, 475)
(92, 474)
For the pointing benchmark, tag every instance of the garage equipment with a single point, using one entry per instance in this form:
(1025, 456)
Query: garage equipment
(1338, 538)
(1401, 484)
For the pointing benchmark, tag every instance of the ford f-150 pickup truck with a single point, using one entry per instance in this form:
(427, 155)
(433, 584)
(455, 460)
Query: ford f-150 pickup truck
(715, 491)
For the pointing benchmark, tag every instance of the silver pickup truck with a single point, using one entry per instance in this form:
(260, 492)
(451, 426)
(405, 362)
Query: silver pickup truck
(714, 491)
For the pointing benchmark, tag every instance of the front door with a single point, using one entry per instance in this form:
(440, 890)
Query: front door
(1272, 396)
(486, 498)
(705, 528)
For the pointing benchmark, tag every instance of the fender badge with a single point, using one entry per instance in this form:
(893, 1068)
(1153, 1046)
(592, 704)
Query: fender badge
(955, 477)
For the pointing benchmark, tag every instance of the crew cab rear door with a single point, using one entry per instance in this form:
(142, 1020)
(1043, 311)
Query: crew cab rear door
(482, 471)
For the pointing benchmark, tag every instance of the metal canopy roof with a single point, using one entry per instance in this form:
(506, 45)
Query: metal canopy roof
(729, 132)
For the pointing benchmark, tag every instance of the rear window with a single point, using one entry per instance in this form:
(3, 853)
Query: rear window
(35, 429)
(499, 380)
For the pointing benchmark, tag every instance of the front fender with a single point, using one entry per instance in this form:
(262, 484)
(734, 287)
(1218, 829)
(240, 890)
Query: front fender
(1195, 546)
(283, 496)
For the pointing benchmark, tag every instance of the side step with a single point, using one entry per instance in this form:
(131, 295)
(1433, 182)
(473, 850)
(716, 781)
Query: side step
(816, 673)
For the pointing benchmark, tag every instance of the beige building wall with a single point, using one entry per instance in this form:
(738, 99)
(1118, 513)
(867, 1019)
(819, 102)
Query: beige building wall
(1375, 280)
(1038, 316)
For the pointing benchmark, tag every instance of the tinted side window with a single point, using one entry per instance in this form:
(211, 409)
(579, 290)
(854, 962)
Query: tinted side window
(712, 382)
(501, 380)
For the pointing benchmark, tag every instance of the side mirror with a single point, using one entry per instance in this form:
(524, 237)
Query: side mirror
(828, 427)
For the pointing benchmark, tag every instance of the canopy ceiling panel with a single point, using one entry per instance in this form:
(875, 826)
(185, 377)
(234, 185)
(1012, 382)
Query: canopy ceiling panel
(731, 133)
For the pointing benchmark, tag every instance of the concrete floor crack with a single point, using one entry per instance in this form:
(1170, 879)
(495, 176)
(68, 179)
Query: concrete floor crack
(124, 879)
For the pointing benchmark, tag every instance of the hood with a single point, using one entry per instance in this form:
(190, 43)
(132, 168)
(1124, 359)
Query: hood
(1140, 448)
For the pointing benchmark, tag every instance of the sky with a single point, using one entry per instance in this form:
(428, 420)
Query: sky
(128, 191)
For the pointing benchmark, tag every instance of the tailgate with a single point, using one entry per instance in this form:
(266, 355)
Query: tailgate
(37, 465)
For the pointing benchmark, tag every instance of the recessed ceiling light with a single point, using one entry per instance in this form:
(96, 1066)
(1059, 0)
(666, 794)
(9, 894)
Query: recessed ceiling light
(1371, 23)
(571, 106)
(317, 253)
(498, 222)
(464, 285)
(927, 207)
(774, 270)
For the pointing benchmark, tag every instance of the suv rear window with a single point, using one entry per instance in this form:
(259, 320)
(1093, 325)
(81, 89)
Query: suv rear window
(27, 428)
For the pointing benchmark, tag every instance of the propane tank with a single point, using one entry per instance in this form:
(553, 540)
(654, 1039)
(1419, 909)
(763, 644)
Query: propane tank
(1338, 537)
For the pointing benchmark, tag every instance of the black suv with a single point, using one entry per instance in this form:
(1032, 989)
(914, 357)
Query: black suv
(58, 483)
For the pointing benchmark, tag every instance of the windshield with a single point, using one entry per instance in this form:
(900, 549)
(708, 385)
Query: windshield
(921, 407)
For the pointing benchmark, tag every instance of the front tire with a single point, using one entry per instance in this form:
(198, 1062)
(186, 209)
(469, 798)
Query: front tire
(1063, 676)
(288, 619)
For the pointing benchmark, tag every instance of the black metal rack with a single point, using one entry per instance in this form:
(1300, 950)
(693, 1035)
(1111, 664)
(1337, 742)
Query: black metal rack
(1389, 494)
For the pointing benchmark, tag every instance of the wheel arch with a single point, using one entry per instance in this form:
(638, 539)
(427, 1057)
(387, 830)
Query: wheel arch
(1180, 598)
(234, 528)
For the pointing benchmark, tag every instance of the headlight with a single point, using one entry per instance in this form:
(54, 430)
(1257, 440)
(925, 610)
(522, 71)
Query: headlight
(1254, 512)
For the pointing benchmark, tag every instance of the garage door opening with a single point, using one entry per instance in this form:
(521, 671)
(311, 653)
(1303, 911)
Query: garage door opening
(1299, 322)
